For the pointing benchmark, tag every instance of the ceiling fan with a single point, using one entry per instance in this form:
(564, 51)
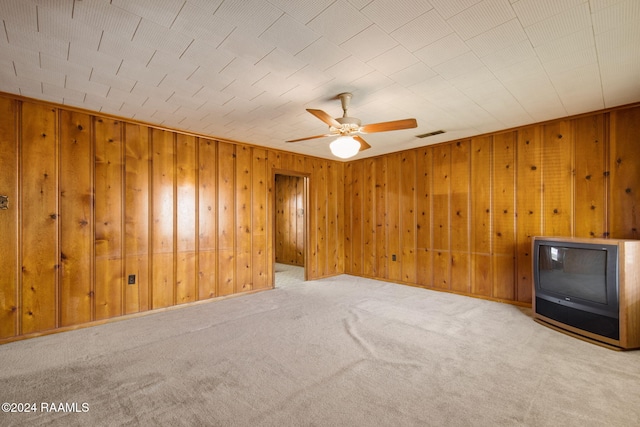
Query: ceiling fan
(346, 128)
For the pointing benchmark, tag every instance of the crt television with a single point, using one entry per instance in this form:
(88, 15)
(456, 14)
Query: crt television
(576, 283)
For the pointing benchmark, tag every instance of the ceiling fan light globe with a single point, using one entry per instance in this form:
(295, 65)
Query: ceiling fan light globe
(345, 147)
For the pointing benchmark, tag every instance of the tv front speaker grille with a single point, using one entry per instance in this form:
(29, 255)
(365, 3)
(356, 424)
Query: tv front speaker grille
(591, 322)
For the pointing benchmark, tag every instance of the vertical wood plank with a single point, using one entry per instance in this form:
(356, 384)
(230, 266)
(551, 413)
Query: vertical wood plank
(440, 214)
(394, 231)
(299, 220)
(207, 219)
(76, 218)
(338, 200)
(408, 216)
(529, 205)
(369, 220)
(624, 171)
(243, 223)
(557, 179)
(382, 260)
(348, 218)
(317, 239)
(274, 160)
(315, 213)
(186, 222)
(281, 225)
(357, 205)
(163, 218)
(504, 271)
(259, 195)
(424, 167)
(137, 202)
(292, 162)
(273, 163)
(9, 305)
(108, 218)
(226, 218)
(504, 215)
(286, 160)
(590, 167)
(459, 214)
(481, 214)
(334, 198)
(291, 206)
(39, 217)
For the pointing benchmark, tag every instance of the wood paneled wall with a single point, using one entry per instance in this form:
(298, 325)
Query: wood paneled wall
(460, 216)
(95, 201)
(289, 225)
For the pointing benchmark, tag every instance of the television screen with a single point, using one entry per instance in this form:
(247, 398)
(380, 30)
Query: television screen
(573, 272)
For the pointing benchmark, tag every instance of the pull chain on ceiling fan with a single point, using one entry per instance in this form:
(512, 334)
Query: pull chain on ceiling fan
(347, 128)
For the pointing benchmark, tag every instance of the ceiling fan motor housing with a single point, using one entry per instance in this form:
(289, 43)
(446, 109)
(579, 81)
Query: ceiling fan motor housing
(349, 124)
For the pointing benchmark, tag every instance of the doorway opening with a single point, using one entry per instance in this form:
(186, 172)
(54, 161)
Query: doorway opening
(290, 228)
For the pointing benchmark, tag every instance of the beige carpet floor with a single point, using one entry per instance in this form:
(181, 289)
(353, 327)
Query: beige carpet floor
(342, 351)
(288, 275)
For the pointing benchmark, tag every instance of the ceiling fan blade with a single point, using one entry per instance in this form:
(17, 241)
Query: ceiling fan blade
(325, 118)
(310, 137)
(364, 145)
(387, 126)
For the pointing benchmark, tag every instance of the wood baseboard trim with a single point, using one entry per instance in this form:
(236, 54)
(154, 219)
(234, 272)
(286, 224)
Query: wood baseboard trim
(125, 317)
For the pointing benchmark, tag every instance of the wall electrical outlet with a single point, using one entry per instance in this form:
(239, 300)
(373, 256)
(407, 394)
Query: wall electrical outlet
(132, 279)
(393, 257)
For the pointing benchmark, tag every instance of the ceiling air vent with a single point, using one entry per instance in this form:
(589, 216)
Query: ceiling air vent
(425, 135)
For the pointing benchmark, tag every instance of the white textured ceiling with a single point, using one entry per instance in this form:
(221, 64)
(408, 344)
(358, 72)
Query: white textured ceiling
(246, 70)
